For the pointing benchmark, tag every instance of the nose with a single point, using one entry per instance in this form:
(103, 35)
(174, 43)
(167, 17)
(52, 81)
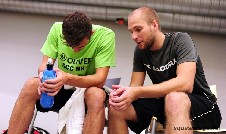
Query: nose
(134, 36)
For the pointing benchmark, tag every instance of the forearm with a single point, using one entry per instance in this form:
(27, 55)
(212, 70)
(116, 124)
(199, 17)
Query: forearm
(164, 88)
(41, 68)
(84, 81)
(183, 82)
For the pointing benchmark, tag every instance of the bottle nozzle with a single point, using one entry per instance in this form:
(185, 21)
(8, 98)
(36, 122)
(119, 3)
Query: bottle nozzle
(50, 61)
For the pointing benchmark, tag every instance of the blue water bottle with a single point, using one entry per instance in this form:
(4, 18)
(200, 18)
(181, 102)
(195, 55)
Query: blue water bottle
(47, 101)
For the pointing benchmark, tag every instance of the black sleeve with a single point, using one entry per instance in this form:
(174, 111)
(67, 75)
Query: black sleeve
(138, 65)
(185, 49)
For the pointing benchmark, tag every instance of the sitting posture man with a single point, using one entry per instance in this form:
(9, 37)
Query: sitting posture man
(85, 52)
(180, 97)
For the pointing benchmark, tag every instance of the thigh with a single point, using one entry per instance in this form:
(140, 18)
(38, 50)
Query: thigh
(205, 114)
(59, 101)
(145, 109)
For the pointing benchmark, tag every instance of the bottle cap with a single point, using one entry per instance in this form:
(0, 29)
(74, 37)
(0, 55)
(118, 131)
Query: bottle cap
(50, 61)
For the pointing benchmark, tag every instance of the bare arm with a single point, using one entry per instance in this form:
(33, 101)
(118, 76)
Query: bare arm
(182, 83)
(98, 79)
(123, 96)
(137, 79)
(54, 85)
(95, 80)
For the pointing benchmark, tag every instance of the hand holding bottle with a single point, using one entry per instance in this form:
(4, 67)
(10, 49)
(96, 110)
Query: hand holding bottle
(47, 101)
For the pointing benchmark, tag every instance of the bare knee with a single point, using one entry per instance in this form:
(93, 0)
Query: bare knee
(30, 89)
(94, 98)
(129, 114)
(115, 113)
(177, 103)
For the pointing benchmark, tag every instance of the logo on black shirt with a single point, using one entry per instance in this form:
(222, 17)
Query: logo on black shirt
(162, 68)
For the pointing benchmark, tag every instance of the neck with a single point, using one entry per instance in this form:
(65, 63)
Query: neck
(158, 41)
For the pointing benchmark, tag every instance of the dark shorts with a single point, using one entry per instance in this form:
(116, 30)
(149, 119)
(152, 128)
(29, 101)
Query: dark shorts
(204, 113)
(59, 101)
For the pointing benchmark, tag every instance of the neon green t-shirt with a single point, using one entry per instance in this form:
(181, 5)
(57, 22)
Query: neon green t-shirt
(99, 52)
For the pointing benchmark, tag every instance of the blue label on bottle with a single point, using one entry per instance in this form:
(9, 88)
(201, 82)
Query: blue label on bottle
(47, 78)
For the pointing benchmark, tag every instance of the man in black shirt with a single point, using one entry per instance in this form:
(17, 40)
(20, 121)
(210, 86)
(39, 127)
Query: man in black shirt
(179, 97)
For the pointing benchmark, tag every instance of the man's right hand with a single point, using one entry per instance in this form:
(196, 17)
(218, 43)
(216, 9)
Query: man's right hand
(121, 97)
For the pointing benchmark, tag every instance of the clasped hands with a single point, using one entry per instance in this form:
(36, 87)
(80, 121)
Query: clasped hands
(121, 97)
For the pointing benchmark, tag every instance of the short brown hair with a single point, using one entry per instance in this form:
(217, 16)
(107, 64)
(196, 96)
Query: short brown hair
(75, 28)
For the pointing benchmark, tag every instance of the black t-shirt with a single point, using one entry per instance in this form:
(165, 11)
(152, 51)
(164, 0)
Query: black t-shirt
(161, 65)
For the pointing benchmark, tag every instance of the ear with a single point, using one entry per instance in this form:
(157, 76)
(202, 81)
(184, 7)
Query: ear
(155, 24)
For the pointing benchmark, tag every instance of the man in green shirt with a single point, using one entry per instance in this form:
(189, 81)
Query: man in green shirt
(84, 53)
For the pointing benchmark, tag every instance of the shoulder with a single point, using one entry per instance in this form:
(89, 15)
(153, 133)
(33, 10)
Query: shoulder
(57, 25)
(177, 34)
(56, 29)
(98, 29)
(182, 35)
(178, 37)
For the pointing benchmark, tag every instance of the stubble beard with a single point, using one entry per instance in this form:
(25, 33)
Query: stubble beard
(149, 45)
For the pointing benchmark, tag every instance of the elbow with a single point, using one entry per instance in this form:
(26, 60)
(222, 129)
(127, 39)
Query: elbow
(101, 83)
(190, 90)
(186, 84)
(189, 87)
